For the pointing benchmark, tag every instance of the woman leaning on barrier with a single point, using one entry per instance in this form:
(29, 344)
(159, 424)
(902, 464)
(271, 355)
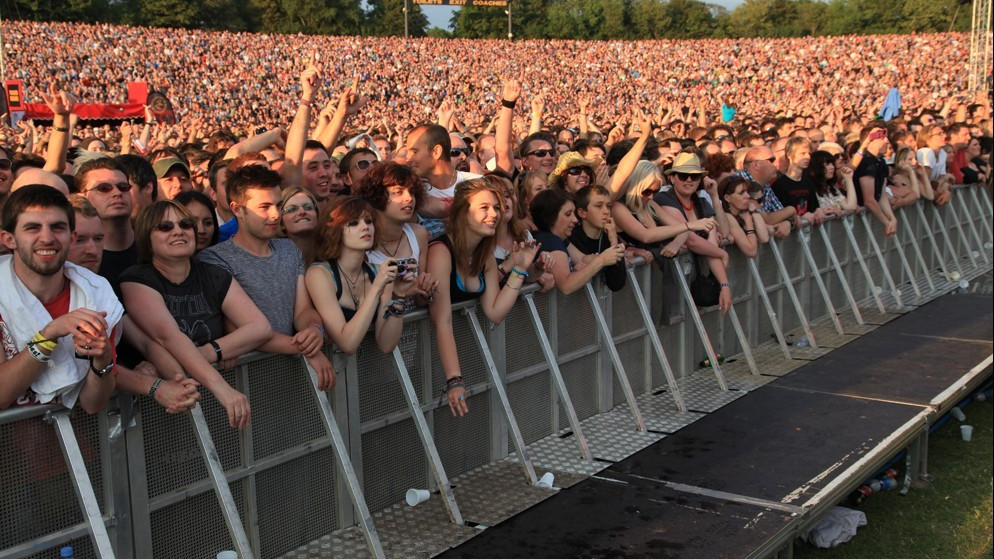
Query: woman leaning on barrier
(833, 183)
(746, 225)
(201, 299)
(347, 292)
(463, 262)
(907, 161)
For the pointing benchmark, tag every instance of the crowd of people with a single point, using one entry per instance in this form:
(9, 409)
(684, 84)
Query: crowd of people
(147, 257)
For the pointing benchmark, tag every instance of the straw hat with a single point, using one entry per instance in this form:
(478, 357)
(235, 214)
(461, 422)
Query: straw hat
(686, 163)
(572, 159)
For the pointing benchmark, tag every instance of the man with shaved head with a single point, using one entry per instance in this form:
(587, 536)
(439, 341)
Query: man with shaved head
(34, 175)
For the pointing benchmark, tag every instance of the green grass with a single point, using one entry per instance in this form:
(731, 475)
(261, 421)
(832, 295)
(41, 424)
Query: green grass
(950, 517)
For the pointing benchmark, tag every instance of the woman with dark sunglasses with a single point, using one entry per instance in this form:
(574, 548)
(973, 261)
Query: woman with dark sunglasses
(201, 298)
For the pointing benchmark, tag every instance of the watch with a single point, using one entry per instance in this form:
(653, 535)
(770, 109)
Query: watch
(102, 372)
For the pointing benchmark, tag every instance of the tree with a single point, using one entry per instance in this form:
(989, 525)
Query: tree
(480, 22)
(689, 19)
(386, 19)
(169, 13)
(650, 19)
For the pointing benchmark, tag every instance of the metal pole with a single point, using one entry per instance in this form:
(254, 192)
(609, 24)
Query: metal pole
(407, 11)
(918, 254)
(964, 241)
(761, 289)
(805, 237)
(987, 224)
(657, 345)
(883, 263)
(510, 33)
(743, 339)
(702, 332)
(792, 293)
(847, 224)
(973, 228)
(842, 276)
(947, 240)
(619, 369)
(931, 239)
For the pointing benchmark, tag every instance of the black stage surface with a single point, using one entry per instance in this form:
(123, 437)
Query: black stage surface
(732, 481)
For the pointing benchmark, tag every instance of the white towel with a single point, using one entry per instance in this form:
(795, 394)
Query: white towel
(25, 315)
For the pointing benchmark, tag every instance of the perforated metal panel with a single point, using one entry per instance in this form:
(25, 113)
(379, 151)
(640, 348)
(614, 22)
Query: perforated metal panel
(194, 527)
(379, 390)
(625, 316)
(172, 458)
(471, 364)
(522, 345)
(393, 461)
(281, 396)
(463, 442)
(576, 326)
(531, 401)
(581, 382)
(673, 344)
(296, 502)
(632, 355)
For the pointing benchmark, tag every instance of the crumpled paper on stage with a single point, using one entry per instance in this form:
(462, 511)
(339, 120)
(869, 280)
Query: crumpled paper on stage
(837, 527)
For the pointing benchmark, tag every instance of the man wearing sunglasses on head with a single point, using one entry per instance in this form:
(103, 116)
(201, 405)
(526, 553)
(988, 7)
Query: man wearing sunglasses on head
(106, 187)
(355, 165)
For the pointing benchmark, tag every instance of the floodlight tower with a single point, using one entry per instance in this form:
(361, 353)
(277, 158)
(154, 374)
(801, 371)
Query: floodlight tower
(980, 44)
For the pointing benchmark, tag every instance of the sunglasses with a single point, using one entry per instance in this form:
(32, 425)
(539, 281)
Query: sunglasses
(294, 208)
(688, 176)
(541, 153)
(6, 164)
(650, 192)
(456, 152)
(577, 171)
(363, 164)
(107, 188)
(185, 224)
(771, 160)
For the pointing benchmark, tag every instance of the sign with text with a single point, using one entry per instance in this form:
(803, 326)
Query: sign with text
(500, 3)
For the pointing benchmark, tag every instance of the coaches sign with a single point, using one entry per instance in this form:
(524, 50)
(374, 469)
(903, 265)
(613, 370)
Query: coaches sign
(500, 3)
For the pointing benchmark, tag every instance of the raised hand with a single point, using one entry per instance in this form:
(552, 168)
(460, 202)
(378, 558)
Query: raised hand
(61, 102)
(512, 90)
(310, 79)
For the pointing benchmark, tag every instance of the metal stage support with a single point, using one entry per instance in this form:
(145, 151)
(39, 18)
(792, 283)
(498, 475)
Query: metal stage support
(657, 344)
(695, 315)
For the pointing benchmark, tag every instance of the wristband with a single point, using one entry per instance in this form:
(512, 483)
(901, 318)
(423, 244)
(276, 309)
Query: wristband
(44, 342)
(60, 128)
(217, 350)
(726, 284)
(516, 270)
(155, 386)
(318, 327)
(305, 102)
(37, 354)
(507, 104)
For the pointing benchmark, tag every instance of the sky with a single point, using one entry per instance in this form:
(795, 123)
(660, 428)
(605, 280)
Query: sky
(438, 16)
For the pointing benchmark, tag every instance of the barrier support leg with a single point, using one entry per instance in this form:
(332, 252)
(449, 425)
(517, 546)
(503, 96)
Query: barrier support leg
(81, 483)
(922, 265)
(774, 321)
(847, 224)
(883, 263)
(341, 453)
(964, 240)
(619, 369)
(695, 315)
(654, 340)
(805, 238)
(948, 241)
(840, 273)
(987, 201)
(904, 262)
(220, 483)
(557, 379)
(803, 318)
(965, 212)
(743, 340)
(497, 385)
(986, 222)
(931, 239)
(444, 488)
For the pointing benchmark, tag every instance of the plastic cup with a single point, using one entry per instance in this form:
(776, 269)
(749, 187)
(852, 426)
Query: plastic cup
(958, 414)
(546, 481)
(966, 431)
(416, 496)
(227, 555)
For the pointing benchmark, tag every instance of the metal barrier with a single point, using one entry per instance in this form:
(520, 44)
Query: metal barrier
(313, 462)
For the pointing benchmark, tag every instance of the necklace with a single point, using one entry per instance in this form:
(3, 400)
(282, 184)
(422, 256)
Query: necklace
(353, 287)
(687, 207)
(393, 254)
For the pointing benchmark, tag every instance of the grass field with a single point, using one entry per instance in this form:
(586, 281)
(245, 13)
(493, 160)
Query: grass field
(948, 518)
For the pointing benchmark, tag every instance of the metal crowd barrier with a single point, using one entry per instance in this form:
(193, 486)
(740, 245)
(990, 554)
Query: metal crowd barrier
(136, 482)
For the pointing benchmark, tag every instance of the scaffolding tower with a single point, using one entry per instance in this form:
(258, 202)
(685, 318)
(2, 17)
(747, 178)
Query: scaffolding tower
(980, 45)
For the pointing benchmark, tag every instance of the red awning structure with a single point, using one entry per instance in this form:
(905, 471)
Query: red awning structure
(96, 111)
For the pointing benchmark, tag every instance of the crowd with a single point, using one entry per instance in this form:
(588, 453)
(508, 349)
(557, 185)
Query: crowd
(147, 258)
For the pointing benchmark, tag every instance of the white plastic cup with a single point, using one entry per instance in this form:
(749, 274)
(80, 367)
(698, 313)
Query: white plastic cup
(546, 481)
(966, 431)
(227, 555)
(958, 414)
(954, 276)
(877, 289)
(416, 496)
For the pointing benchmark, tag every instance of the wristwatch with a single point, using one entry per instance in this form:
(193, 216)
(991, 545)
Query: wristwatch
(102, 372)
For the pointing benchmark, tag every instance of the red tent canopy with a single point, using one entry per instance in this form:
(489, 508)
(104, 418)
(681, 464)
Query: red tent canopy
(40, 111)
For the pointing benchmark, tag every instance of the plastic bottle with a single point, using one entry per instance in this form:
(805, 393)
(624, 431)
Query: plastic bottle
(66, 552)
(803, 342)
(888, 483)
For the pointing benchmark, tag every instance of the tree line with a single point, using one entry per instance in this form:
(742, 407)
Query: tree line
(532, 19)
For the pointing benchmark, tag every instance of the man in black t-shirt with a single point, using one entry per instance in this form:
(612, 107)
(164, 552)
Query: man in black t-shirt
(596, 231)
(795, 189)
(106, 187)
(871, 176)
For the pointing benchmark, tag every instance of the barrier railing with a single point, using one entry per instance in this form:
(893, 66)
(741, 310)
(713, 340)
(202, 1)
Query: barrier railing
(314, 462)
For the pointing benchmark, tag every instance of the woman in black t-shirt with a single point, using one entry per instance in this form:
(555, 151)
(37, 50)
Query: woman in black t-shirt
(182, 304)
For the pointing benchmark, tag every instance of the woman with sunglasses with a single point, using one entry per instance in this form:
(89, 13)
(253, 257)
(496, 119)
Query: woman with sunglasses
(833, 183)
(346, 291)
(201, 299)
(463, 261)
(396, 193)
(746, 225)
(299, 219)
(200, 207)
(573, 172)
(640, 218)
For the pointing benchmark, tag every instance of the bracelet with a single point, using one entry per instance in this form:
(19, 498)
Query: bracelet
(60, 128)
(512, 287)
(522, 273)
(217, 350)
(318, 327)
(155, 386)
(747, 231)
(507, 104)
(456, 381)
(44, 342)
(305, 102)
(37, 354)
(726, 284)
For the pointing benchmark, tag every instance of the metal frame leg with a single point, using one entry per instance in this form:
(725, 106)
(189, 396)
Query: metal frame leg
(987, 223)
(794, 299)
(743, 340)
(964, 240)
(905, 264)
(847, 224)
(987, 201)
(774, 321)
(220, 482)
(948, 241)
(883, 263)
(497, 385)
(853, 306)
(81, 483)
(341, 453)
(619, 369)
(805, 238)
(973, 230)
(701, 331)
(654, 340)
(918, 255)
(557, 378)
(931, 239)
(414, 404)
